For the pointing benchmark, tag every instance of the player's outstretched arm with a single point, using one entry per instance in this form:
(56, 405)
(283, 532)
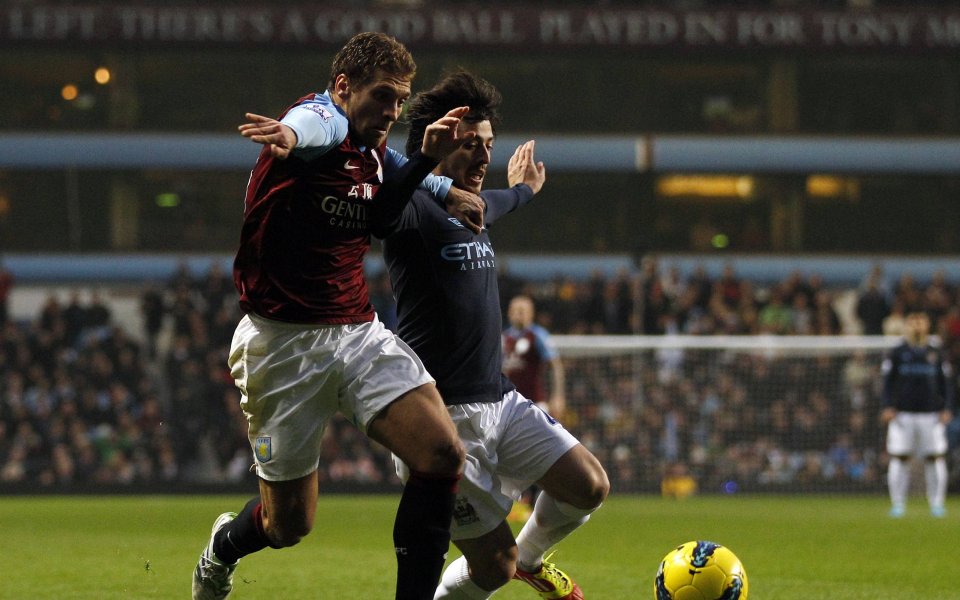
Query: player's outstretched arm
(523, 168)
(269, 132)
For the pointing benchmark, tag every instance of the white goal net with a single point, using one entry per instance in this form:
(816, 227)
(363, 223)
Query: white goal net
(734, 413)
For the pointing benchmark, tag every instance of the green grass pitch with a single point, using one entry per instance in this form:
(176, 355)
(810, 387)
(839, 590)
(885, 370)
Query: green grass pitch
(793, 547)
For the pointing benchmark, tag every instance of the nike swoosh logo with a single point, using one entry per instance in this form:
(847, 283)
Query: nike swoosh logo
(347, 165)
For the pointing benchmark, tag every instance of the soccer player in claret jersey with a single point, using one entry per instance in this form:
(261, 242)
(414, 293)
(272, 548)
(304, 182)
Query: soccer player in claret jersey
(444, 277)
(310, 343)
(917, 404)
(529, 354)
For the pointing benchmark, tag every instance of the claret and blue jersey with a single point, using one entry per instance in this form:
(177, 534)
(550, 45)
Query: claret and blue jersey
(315, 205)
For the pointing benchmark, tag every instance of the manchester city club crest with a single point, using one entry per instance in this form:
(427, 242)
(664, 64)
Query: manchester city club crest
(464, 513)
(263, 448)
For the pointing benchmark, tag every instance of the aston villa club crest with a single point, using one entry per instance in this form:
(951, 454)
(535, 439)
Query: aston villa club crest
(263, 448)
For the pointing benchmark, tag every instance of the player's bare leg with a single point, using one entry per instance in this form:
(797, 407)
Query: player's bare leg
(288, 509)
(418, 430)
(574, 487)
(280, 516)
(488, 563)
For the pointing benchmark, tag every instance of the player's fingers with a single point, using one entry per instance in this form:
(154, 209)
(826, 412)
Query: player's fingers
(528, 150)
(458, 112)
(256, 118)
(474, 223)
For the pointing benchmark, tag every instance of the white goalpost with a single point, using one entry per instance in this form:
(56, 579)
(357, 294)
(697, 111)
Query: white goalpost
(736, 413)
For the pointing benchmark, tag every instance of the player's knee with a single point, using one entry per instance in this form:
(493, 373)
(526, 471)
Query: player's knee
(450, 457)
(496, 571)
(445, 457)
(284, 538)
(283, 534)
(593, 489)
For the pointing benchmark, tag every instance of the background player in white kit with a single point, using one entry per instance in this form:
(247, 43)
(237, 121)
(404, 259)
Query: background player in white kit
(917, 404)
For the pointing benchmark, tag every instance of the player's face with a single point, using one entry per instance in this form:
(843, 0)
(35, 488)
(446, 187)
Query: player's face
(520, 312)
(373, 108)
(467, 165)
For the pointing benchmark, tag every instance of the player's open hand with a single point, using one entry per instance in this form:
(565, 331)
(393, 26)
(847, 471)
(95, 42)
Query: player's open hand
(523, 168)
(269, 132)
(442, 136)
(467, 207)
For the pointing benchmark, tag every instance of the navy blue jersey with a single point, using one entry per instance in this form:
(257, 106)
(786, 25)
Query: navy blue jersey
(444, 278)
(917, 379)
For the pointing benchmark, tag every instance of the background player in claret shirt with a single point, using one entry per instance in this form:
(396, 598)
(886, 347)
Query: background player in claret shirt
(917, 404)
(529, 355)
(444, 277)
(310, 343)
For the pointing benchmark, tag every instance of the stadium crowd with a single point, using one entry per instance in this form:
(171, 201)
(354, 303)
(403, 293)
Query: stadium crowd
(84, 403)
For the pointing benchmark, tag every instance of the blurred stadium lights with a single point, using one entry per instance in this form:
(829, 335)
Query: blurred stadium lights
(102, 75)
(720, 187)
(69, 92)
(589, 153)
(831, 186)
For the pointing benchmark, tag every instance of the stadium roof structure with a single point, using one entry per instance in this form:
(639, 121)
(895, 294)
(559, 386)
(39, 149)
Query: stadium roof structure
(585, 153)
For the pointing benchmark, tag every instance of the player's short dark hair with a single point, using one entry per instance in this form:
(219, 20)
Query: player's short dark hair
(365, 53)
(459, 88)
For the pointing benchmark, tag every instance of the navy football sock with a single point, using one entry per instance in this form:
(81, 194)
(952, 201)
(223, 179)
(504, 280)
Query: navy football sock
(242, 536)
(421, 533)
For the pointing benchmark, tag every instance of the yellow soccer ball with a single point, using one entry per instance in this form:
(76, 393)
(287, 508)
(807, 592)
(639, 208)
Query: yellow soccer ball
(700, 571)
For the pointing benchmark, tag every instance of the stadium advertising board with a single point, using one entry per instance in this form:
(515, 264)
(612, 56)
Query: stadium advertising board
(510, 27)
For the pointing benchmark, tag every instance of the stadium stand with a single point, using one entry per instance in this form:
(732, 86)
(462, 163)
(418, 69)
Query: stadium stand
(85, 405)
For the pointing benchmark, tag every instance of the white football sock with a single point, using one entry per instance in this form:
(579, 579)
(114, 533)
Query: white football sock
(898, 481)
(550, 522)
(455, 584)
(935, 472)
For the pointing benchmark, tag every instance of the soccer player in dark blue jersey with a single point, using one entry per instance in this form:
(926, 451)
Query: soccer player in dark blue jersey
(917, 404)
(444, 277)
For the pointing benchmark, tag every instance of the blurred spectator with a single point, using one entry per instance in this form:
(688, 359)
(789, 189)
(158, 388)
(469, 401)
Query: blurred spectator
(872, 308)
(895, 322)
(776, 317)
(677, 482)
(6, 284)
(152, 309)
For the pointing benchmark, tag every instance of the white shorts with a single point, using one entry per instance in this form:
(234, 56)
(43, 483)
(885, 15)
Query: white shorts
(915, 433)
(293, 378)
(510, 445)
